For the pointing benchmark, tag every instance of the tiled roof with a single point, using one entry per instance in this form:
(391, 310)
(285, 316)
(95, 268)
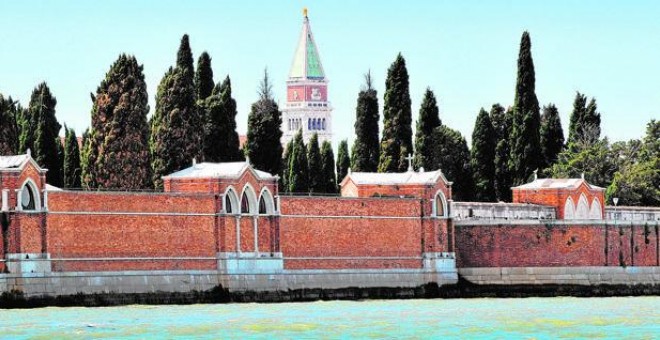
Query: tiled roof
(398, 178)
(12, 162)
(216, 170)
(556, 183)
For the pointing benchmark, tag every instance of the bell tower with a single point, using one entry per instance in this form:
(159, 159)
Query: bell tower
(307, 106)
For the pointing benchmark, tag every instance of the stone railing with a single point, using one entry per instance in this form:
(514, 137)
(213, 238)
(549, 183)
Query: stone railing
(501, 211)
(632, 213)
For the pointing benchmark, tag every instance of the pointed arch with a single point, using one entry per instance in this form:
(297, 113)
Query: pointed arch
(266, 202)
(596, 211)
(249, 204)
(582, 209)
(440, 204)
(569, 209)
(230, 201)
(30, 197)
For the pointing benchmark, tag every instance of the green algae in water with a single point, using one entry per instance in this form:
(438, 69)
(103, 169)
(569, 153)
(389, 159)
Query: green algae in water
(538, 318)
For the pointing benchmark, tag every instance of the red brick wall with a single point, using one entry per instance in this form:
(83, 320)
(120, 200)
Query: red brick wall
(554, 245)
(557, 197)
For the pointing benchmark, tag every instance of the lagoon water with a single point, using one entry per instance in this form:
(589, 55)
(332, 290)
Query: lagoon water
(540, 318)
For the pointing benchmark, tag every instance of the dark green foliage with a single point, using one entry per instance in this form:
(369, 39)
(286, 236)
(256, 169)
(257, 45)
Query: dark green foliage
(396, 143)
(203, 77)
(315, 166)
(428, 120)
(584, 128)
(221, 142)
(552, 136)
(525, 141)
(366, 148)
(452, 156)
(116, 152)
(502, 121)
(44, 129)
(286, 159)
(595, 161)
(343, 161)
(298, 166)
(482, 158)
(264, 131)
(72, 169)
(328, 179)
(184, 58)
(8, 127)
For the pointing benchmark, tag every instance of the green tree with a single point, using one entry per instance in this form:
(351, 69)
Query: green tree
(204, 77)
(72, 169)
(286, 160)
(343, 160)
(552, 136)
(396, 142)
(117, 155)
(482, 158)
(298, 166)
(44, 130)
(595, 161)
(429, 119)
(315, 166)
(328, 179)
(221, 142)
(264, 131)
(184, 59)
(502, 120)
(8, 127)
(584, 125)
(525, 140)
(366, 147)
(452, 156)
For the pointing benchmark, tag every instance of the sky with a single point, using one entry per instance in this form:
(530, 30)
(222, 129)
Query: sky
(465, 51)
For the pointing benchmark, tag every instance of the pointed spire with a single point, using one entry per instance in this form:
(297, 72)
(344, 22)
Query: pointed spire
(306, 60)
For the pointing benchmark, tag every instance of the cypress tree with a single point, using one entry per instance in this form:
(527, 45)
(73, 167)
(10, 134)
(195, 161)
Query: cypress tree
(429, 119)
(44, 130)
(396, 142)
(298, 166)
(72, 169)
(264, 131)
(220, 137)
(315, 166)
(501, 121)
(452, 156)
(525, 140)
(343, 161)
(366, 147)
(552, 136)
(584, 126)
(117, 154)
(8, 127)
(483, 158)
(286, 159)
(329, 181)
(184, 58)
(203, 77)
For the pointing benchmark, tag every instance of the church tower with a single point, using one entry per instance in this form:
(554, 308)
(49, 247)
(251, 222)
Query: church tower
(307, 106)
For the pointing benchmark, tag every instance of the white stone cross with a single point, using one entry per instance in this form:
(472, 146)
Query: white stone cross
(410, 159)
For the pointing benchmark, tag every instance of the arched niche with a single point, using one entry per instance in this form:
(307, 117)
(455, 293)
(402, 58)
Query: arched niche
(582, 209)
(29, 199)
(230, 201)
(596, 210)
(266, 202)
(569, 209)
(249, 205)
(440, 205)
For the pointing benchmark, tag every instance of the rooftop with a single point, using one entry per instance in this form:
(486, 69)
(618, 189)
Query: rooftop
(13, 162)
(556, 183)
(219, 170)
(397, 178)
(306, 60)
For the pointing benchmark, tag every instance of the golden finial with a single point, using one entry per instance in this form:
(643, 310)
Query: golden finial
(305, 12)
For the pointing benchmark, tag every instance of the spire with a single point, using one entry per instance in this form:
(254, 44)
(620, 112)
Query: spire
(306, 60)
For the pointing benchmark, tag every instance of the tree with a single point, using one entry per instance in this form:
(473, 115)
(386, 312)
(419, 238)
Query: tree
(264, 131)
(502, 121)
(552, 136)
(525, 141)
(43, 130)
(343, 161)
(396, 142)
(482, 158)
(315, 166)
(117, 154)
(204, 77)
(286, 159)
(584, 125)
(72, 169)
(452, 156)
(328, 179)
(429, 119)
(298, 166)
(8, 127)
(176, 126)
(366, 147)
(596, 162)
(221, 142)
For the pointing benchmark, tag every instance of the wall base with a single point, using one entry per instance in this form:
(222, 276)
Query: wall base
(562, 275)
(28, 263)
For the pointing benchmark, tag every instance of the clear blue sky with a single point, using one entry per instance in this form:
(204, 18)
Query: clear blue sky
(465, 51)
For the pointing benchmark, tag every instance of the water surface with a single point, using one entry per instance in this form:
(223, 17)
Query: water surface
(539, 318)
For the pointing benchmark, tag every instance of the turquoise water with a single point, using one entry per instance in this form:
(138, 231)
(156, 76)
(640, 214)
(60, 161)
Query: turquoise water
(540, 318)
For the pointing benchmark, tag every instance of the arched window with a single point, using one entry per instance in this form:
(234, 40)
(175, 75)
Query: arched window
(245, 204)
(266, 202)
(569, 209)
(249, 203)
(440, 205)
(596, 212)
(582, 210)
(228, 209)
(262, 206)
(323, 125)
(231, 201)
(28, 197)
(309, 124)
